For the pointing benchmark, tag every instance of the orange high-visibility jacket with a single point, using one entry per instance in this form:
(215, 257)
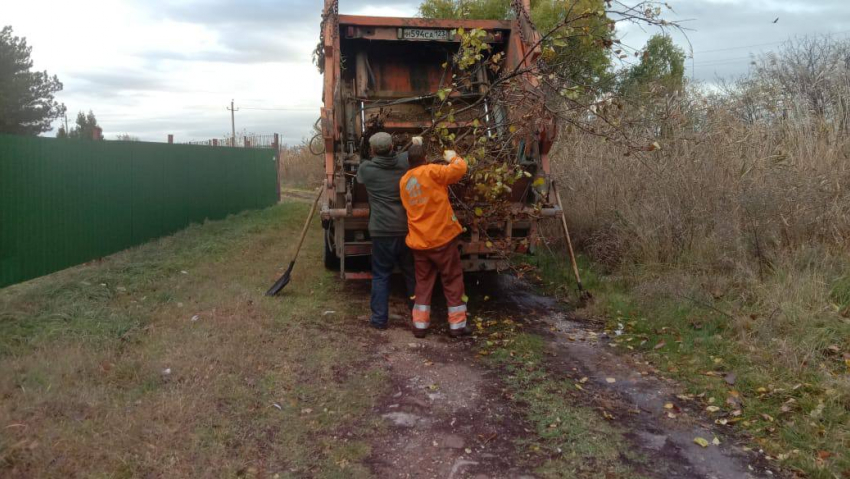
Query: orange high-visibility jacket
(431, 222)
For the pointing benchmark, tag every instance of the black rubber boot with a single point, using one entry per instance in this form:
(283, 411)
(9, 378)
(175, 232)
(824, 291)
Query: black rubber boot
(458, 333)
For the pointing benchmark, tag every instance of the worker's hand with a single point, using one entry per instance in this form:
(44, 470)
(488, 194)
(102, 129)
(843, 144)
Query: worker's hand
(449, 155)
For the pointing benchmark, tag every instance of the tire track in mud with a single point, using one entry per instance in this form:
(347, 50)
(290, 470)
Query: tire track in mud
(447, 415)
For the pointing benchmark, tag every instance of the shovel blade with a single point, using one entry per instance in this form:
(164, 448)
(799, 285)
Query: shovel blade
(281, 282)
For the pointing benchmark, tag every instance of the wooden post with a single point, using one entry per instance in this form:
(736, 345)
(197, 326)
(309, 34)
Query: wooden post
(170, 139)
(215, 141)
(245, 142)
(276, 146)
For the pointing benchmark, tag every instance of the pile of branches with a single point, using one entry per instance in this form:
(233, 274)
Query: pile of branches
(505, 113)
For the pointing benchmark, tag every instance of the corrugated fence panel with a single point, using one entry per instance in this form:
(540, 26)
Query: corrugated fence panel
(64, 202)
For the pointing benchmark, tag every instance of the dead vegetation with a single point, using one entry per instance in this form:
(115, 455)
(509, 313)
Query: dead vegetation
(300, 167)
(731, 241)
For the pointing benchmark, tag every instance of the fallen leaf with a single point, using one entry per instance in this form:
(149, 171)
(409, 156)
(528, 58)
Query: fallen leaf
(583, 380)
(715, 441)
(701, 441)
(734, 399)
(306, 410)
(669, 405)
(824, 455)
(465, 298)
(610, 380)
(730, 379)
(660, 345)
(712, 408)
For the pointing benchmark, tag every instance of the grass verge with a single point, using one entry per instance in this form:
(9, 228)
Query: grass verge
(571, 440)
(768, 358)
(167, 360)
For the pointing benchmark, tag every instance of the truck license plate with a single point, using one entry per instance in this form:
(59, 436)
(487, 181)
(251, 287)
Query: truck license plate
(425, 34)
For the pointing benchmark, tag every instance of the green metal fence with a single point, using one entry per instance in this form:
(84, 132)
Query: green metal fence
(64, 202)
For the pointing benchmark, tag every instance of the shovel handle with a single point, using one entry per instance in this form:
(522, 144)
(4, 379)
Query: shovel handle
(567, 236)
(307, 223)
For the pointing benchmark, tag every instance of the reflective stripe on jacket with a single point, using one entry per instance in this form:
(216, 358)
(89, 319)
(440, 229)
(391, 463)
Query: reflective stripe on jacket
(431, 222)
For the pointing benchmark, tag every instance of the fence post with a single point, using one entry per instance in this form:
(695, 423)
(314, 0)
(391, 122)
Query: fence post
(215, 141)
(245, 142)
(276, 146)
(170, 139)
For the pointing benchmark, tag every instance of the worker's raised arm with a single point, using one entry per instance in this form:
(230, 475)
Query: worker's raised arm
(453, 172)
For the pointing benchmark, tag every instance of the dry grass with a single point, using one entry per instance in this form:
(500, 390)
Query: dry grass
(300, 168)
(255, 385)
(735, 237)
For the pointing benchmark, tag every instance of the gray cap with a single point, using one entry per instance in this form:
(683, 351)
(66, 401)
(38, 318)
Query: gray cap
(381, 142)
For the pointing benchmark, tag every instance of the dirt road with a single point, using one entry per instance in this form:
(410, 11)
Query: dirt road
(167, 361)
(451, 414)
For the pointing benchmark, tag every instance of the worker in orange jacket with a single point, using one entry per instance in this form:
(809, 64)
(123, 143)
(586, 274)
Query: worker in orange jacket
(433, 231)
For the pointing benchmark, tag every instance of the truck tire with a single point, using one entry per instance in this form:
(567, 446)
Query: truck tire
(330, 257)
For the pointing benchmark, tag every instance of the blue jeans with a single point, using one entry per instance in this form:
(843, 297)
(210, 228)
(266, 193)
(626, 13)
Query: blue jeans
(387, 252)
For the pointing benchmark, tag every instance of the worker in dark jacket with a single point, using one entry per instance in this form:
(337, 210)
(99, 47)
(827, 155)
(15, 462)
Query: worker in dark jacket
(387, 223)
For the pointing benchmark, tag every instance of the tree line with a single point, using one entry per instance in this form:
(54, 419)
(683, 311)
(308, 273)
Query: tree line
(28, 104)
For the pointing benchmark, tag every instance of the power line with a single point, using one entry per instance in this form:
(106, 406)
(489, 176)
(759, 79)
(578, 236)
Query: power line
(763, 44)
(280, 109)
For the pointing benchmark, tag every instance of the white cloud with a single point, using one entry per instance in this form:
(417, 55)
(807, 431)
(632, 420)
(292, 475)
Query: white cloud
(153, 67)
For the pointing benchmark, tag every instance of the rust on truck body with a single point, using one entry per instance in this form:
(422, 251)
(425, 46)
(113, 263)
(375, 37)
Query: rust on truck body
(380, 74)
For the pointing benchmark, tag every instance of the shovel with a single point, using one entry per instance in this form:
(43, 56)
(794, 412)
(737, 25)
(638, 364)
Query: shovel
(284, 280)
(584, 295)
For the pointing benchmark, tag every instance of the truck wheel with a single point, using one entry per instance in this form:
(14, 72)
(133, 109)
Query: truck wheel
(330, 257)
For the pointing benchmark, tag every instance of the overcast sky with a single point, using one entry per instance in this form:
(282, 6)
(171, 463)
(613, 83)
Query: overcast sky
(153, 67)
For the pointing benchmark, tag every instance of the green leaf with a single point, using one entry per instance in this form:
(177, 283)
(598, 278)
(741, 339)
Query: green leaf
(479, 211)
(540, 181)
(465, 298)
(701, 441)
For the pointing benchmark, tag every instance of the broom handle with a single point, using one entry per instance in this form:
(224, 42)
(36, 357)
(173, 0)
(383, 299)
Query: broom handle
(567, 235)
(307, 224)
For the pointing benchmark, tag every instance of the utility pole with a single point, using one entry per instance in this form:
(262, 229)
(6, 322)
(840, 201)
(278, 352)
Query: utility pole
(233, 123)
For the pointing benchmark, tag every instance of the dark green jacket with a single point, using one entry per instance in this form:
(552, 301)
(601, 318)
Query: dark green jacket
(381, 176)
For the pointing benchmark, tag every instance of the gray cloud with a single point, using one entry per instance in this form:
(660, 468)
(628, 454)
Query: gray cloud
(292, 126)
(720, 31)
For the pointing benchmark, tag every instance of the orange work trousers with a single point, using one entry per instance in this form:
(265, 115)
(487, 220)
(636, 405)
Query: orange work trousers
(444, 261)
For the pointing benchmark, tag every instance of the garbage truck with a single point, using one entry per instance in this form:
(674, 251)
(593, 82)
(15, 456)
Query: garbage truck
(380, 74)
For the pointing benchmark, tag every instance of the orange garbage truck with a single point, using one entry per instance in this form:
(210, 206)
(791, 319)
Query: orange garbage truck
(380, 74)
